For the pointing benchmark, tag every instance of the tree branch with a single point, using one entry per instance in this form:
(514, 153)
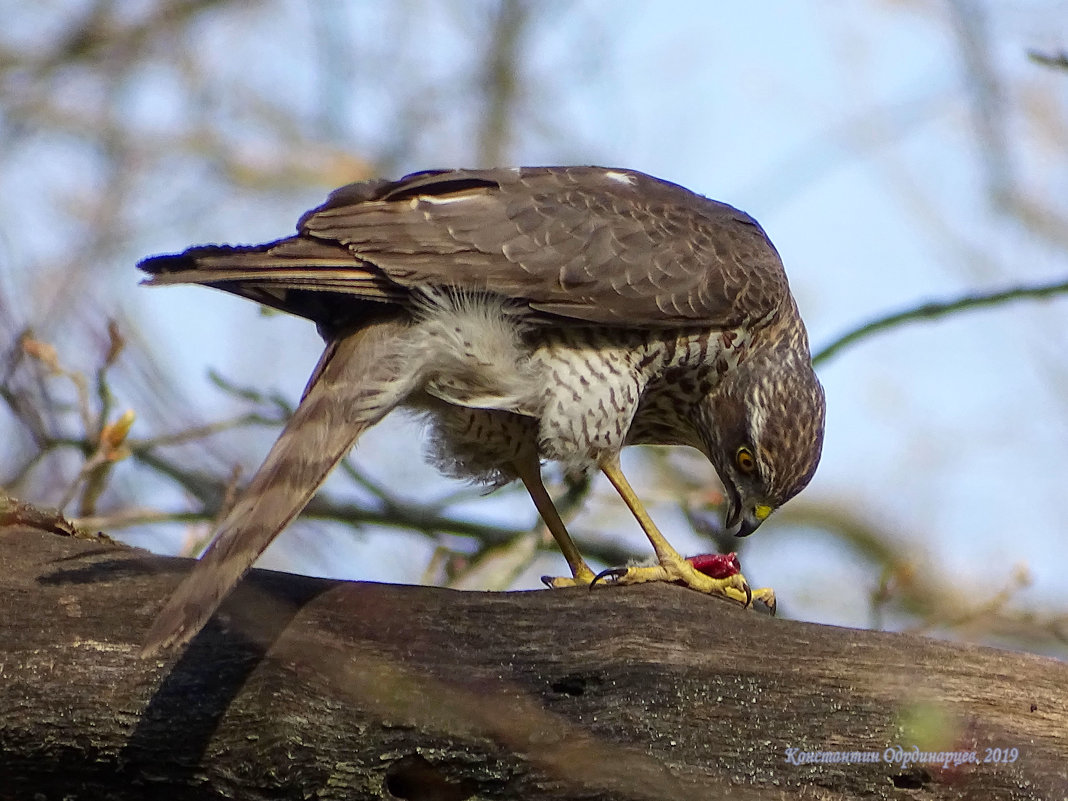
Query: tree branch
(937, 309)
(1055, 60)
(310, 688)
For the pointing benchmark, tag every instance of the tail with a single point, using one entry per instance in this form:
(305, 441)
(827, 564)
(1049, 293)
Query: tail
(299, 275)
(360, 378)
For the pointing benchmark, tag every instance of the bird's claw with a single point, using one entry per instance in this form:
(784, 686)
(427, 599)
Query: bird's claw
(559, 582)
(614, 573)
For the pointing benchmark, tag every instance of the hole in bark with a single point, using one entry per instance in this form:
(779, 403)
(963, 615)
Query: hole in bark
(913, 780)
(574, 684)
(414, 779)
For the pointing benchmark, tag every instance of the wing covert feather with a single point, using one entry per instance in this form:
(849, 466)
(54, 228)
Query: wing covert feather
(595, 245)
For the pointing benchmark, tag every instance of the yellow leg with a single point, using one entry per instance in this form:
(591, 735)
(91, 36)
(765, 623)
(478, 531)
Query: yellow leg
(530, 474)
(673, 567)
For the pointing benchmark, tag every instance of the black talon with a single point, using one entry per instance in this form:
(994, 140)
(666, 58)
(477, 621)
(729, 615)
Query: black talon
(548, 582)
(748, 596)
(612, 572)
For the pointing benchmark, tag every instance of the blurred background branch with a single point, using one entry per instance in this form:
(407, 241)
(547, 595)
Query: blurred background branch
(933, 310)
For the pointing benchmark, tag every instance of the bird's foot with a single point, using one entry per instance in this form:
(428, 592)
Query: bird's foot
(584, 577)
(733, 585)
(723, 565)
(714, 574)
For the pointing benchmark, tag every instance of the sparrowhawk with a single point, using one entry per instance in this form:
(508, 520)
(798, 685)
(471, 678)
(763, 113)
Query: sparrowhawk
(532, 314)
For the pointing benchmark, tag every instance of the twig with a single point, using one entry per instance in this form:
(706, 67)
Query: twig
(136, 517)
(1057, 61)
(251, 394)
(938, 309)
(15, 513)
(390, 505)
(202, 432)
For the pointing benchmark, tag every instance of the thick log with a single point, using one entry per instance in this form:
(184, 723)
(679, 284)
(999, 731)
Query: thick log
(305, 688)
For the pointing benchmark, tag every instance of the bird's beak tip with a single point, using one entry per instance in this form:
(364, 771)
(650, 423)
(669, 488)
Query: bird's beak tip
(746, 527)
(748, 523)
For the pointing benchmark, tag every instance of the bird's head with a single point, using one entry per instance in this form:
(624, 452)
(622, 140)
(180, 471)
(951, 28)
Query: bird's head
(763, 432)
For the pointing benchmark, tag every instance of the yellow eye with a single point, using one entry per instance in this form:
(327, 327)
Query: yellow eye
(745, 460)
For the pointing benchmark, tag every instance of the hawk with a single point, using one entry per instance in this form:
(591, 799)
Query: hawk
(532, 314)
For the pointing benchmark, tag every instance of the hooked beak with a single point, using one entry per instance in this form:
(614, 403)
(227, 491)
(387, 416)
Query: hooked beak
(746, 520)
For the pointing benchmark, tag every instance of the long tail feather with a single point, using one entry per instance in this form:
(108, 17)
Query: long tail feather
(360, 378)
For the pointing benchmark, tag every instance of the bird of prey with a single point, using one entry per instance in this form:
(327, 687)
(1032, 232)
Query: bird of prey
(532, 314)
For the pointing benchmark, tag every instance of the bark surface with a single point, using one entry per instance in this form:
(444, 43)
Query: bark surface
(306, 688)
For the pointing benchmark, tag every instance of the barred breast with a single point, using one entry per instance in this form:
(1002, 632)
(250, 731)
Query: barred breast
(577, 396)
